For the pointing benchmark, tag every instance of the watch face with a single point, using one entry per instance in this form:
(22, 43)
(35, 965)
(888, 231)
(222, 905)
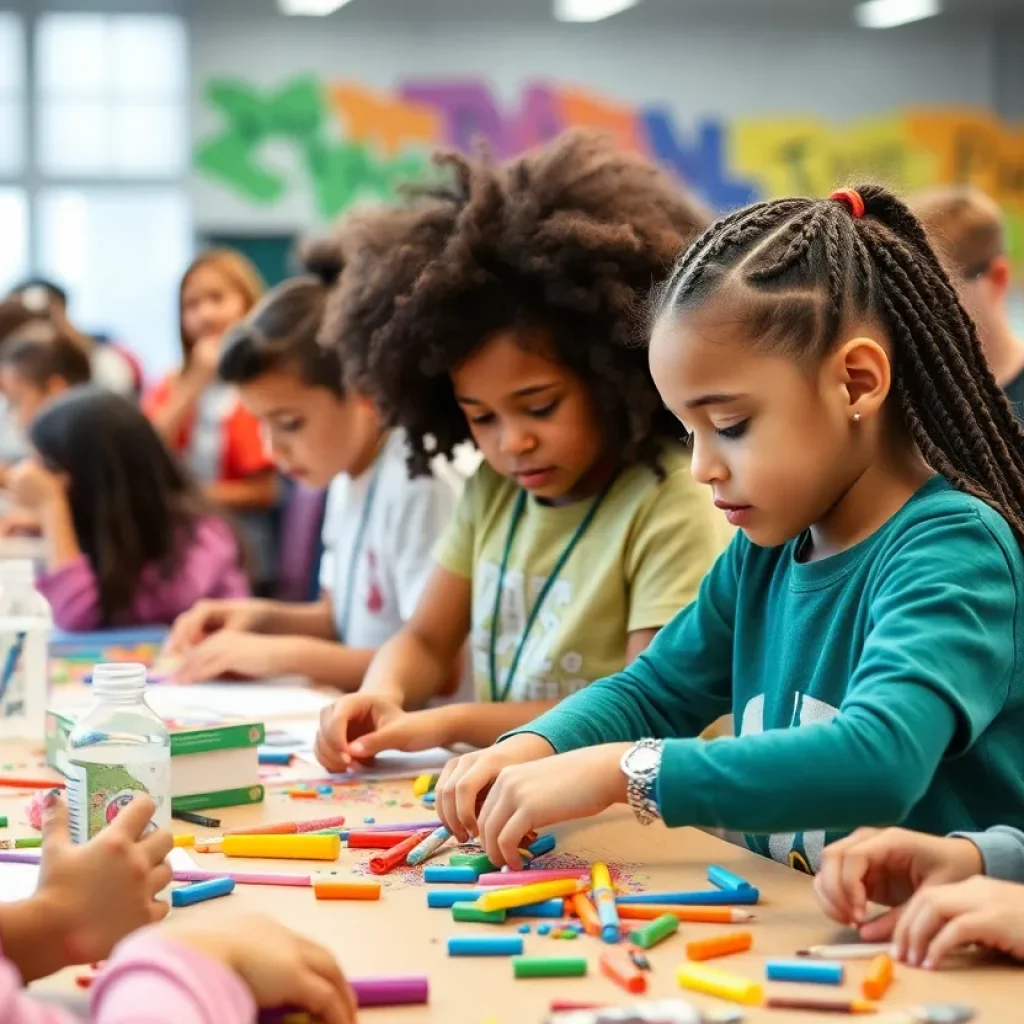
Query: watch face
(642, 760)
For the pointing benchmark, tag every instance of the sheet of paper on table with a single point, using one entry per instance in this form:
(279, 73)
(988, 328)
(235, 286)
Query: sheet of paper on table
(390, 764)
(254, 700)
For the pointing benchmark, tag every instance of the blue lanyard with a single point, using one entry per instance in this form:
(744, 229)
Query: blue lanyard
(357, 549)
(517, 515)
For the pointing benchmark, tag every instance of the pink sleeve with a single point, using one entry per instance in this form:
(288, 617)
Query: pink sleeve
(18, 1007)
(211, 566)
(74, 595)
(154, 980)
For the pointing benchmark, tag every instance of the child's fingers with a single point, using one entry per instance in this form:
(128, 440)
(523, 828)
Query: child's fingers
(444, 802)
(157, 846)
(324, 963)
(55, 822)
(975, 926)
(133, 819)
(161, 877)
(881, 928)
(317, 996)
(925, 915)
(470, 790)
(510, 838)
(158, 910)
(332, 736)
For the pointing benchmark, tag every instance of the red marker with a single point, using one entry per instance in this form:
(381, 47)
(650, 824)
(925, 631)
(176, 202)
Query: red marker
(396, 855)
(377, 840)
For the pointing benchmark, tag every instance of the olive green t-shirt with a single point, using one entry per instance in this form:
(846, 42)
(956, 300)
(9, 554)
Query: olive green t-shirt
(638, 563)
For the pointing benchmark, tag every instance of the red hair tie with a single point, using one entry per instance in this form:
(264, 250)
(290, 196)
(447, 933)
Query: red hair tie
(852, 198)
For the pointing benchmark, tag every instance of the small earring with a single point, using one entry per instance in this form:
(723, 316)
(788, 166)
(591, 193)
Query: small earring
(856, 417)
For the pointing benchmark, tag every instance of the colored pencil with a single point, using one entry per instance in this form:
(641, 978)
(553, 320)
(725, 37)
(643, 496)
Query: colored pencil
(710, 915)
(244, 877)
(820, 1003)
(280, 828)
(847, 951)
(11, 782)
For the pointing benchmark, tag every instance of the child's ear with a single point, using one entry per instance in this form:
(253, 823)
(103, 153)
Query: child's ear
(866, 375)
(997, 277)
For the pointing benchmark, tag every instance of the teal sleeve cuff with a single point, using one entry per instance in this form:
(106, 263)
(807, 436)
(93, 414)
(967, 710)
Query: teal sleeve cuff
(1002, 851)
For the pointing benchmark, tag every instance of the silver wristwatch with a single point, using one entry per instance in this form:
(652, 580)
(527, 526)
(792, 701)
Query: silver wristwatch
(641, 764)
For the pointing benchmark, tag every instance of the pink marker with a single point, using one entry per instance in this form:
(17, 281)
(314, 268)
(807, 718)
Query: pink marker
(243, 877)
(529, 877)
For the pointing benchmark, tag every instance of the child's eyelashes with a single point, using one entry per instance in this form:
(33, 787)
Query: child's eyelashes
(540, 413)
(733, 432)
(544, 411)
(482, 420)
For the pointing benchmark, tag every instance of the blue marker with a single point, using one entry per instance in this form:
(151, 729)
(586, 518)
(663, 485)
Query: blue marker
(186, 895)
(429, 799)
(429, 846)
(273, 757)
(442, 899)
(548, 908)
(703, 898)
(485, 945)
(541, 845)
(460, 874)
(725, 879)
(818, 972)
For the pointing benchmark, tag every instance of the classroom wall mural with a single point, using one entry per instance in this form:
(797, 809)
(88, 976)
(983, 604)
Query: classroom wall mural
(355, 144)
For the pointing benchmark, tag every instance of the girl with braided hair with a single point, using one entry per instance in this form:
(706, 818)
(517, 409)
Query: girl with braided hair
(583, 532)
(864, 625)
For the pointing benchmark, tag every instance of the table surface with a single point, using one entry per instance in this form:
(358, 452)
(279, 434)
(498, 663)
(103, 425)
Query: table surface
(399, 935)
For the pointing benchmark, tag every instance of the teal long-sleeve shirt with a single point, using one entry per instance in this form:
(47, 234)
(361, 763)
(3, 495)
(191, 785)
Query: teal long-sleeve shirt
(883, 685)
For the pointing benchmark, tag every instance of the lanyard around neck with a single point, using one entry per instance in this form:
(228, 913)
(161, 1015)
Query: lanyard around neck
(357, 549)
(500, 696)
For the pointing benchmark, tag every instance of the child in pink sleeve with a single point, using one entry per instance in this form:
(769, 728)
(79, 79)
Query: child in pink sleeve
(131, 540)
(89, 897)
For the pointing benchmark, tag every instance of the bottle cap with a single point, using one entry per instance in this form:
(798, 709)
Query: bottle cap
(118, 679)
(17, 574)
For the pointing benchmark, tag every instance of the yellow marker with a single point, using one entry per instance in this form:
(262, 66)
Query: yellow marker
(522, 895)
(716, 982)
(308, 847)
(185, 840)
(422, 785)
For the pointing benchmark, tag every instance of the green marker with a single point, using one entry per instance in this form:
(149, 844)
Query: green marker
(479, 861)
(657, 931)
(3, 821)
(549, 967)
(31, 843)
(470, 912)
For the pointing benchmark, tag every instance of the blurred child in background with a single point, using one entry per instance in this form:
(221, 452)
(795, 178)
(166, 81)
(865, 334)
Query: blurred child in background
(201, 418)
(967, 228)
(380, 527)
(130, 539)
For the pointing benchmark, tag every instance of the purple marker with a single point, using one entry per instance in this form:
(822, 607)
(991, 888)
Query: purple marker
(399, 991)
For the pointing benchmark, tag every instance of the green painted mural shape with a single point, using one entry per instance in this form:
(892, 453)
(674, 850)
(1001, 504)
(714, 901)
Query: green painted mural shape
(340, 172)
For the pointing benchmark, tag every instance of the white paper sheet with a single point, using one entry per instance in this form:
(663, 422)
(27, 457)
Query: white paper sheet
(393, 764)
(249, 700)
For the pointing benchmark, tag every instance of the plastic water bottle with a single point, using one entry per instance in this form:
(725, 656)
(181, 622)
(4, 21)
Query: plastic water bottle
(25, 625)
(119, 748)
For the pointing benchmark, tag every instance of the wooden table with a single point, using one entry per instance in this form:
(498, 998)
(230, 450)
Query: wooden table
(399, 935)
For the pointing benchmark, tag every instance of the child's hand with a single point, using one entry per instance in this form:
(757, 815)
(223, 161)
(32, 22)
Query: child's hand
(228, 652)
(348, 719)
(940, 918)
(410, 730)
(32, 486)
(206, 617)
(887, 866)
(281, 968)
(106, 889)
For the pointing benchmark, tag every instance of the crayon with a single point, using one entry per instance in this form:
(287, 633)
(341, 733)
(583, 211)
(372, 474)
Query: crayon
(587, 913)
(30, 843)
(3, 821)
(822, 1004)
(442, 899)
(519, 896)
(472, 913)
(480, 861)
(719, 945)
(243, 877)
(199, 892)
(703, 898)
(376, 840)
(725, 879)
(879, 977)
(816, 972)
(847, 951)
(603, 896)
(707, 915)
(429, 846)
(657, 931)
(530, 877)
(715, 982)
(549, 967)
(328, 890)
(281, 828)
(303, 794)
(274, 757)
(485, 945)
(546, 908)
(541, 845)
(10, 782)
(284, 847)
(196, 819)
(185, 840)
(463, 875)
(424, 784)
(398, 991)
(385, 862)
(617, 965)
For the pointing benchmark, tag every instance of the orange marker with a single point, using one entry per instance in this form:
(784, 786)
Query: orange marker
(347, 890)
(303, 794)
(617, 965)
(707, 915)
(720, 945)
(585, 911)
(879, 977)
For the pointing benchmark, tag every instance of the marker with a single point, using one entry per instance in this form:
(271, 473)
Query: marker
(424, 784)
(329, 890)
(376, 840)
(274, 757)
(702, 898)
(719, 945)
(28, 843)
(282, 828)
(541, 845)
(480, 861)
(821, 972)
(520, 896)
(243, 877)
(604, 901)
(385, 862)
(822, 1004)
(429, 846)
(706, 915)
(283, 846)
(849, 951)
(587, 914)
(436, 873)
(399, 991)
(617, 965)
(196, 819)
(725, 879)
(715, 982)
(530, 877)
(199, 892)
(549, 967)
(485, 945)
(185, 840)
(879, 977)
(472, 913)
(657, 931)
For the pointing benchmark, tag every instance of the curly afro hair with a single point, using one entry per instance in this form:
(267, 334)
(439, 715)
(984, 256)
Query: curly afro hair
(566, 240)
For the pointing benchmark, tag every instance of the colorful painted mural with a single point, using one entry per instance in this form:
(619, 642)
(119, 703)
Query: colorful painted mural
(355, 143)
